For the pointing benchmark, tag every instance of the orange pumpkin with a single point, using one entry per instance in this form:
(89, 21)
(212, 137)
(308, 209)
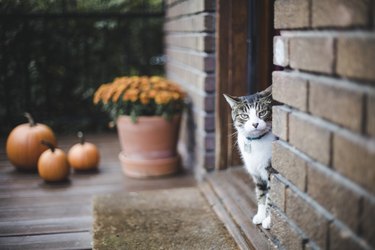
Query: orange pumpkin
(53, 165)
(23, 146)
(83, 155)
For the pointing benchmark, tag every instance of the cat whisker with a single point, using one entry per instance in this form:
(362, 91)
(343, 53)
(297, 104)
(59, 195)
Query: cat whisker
(233, 134)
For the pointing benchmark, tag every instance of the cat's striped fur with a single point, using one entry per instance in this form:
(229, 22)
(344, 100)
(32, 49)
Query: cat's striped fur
(252, 118)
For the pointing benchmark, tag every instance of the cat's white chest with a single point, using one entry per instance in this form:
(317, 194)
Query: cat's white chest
(256, 154)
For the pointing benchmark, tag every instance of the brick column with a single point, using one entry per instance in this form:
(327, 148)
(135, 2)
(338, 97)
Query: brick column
(324, 196)
(189, 46)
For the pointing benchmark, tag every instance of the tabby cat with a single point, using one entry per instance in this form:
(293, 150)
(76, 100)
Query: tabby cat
(252, 118)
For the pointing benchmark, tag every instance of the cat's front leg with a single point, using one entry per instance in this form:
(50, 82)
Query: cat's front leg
(261, 189)
(266, 223)
(261, 214)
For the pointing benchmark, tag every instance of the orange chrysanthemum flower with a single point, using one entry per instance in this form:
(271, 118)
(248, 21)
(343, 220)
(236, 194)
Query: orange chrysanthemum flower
(140, 96)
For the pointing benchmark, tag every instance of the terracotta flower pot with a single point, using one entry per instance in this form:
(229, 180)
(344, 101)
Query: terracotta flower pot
(149, 146)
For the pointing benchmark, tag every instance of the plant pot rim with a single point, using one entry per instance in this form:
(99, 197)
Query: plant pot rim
(148, 118)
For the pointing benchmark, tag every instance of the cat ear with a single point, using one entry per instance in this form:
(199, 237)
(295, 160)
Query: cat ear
(232, 100)
(266, 93)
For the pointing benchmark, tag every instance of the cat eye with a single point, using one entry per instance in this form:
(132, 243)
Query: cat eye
(244, 116)
(262, 113)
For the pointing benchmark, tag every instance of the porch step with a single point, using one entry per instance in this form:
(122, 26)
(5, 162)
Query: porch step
(231, 194)
(164, 219)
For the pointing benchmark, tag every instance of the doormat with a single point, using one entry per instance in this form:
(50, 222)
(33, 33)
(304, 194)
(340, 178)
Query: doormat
(163, 219)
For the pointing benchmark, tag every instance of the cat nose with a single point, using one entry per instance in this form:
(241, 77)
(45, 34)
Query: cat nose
(255, 125)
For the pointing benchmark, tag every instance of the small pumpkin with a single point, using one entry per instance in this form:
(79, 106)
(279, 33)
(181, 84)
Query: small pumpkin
(53, 165)
(83, 155)
(23, 146)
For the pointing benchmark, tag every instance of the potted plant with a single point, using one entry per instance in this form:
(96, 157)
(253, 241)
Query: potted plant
(147, 112)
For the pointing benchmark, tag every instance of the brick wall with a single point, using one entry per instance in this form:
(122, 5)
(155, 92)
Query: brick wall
(324, 195)
(189, 46)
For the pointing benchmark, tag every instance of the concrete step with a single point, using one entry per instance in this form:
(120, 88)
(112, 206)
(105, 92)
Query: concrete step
(231, 194)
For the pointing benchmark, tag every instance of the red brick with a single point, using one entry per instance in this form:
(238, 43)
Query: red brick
(209, 83)
(209, 161)
(203, 122)
(209, 142)
(202, 101)
(277, 193)
(311, 136)
(340, 13)
(280, 51)
(195, 23)
(370, 126)
(289, 164)
(189, 7)
(280, 121)
(367, 220)
(205, 141)
(312, 53)
(191, 80)
(334, 193)
(312, 223)
(198, 60)
(209, 122)
(290, 89)
(355, 55)
(354, 157)
(203, 161)
(195, 41)
(291, 14)
(342, 238)
(288, 235)
(209, 103)
(337, 102)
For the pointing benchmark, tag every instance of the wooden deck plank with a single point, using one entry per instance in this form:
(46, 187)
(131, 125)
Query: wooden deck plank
(36, 215)
(16, 184)
(76, 240)
(9, 203)
(69, 189)
(27, 213)
(45, 226)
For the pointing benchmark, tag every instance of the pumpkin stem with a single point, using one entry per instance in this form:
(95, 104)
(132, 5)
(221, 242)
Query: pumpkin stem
(48, 144)
(81, 137)
(30, 119)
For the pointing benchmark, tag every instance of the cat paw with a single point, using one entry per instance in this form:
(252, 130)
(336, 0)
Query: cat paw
(266, 223)
(258, 218)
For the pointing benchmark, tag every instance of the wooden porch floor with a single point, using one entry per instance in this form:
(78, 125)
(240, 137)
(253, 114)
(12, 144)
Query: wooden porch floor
(36, 215)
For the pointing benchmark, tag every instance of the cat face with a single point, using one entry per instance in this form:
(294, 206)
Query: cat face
(252, 115)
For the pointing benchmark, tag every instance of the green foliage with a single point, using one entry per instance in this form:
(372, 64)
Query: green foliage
(51, 65)
(59, 6)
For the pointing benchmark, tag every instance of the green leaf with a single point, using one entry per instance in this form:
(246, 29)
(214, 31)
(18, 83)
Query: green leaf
(133, 116)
